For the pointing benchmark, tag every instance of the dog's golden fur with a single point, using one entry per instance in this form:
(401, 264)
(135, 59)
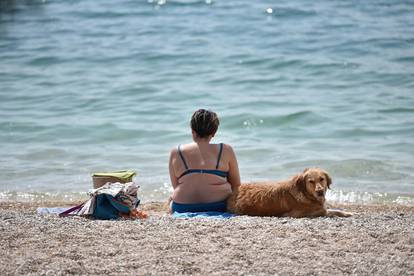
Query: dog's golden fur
(301, 196)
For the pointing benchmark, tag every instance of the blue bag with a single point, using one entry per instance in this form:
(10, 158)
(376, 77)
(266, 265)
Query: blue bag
(108, 207)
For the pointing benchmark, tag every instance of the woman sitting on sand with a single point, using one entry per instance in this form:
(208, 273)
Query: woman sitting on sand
(203, 175)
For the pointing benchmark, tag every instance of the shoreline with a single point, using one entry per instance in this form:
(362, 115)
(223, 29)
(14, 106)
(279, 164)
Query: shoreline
(160, 206)
(377, 240)
(336, 197)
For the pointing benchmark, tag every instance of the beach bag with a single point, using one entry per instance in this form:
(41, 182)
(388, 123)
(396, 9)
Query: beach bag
(100, 179)
(109, 207)
(111, 201)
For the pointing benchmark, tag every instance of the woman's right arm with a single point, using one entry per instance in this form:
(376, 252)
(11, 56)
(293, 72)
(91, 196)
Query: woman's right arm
(234, 174)
(173, 177)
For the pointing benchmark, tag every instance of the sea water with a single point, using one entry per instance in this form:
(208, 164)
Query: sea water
(89, 86)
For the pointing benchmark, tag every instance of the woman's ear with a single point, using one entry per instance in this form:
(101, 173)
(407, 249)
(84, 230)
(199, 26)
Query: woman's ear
(194, 134)
(212, 135)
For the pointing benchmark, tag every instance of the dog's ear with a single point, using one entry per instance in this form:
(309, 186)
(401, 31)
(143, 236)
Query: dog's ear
(328, 179)
(299, 181)
(305, 170)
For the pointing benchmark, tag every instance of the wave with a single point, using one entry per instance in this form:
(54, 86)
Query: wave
(107, 14)
(294, 119)
(293, 13)
(358, 132)
(181, 3)
(397, 110)
(406, 59)
(270, 63)
(45, 61)
(88, 134)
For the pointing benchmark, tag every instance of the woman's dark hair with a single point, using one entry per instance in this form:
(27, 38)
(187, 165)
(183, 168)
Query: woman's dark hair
(204, 123)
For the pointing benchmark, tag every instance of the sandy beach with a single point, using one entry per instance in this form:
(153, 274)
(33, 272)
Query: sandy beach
(377, 240)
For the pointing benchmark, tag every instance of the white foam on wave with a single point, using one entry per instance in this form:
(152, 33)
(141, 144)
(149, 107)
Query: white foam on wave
(161, 194)
(36, 197)
(368, 198)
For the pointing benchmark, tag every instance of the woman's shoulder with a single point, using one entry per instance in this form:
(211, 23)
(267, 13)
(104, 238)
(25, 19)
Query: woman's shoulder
(180, 147)
(227, 149)
(226, 146)
(190, 146)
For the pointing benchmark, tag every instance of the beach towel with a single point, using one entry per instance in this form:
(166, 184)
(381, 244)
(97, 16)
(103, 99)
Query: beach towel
(200, 210)
(50, 210)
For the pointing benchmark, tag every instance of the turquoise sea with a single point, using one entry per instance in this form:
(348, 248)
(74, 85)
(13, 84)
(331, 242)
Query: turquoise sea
(90, 86)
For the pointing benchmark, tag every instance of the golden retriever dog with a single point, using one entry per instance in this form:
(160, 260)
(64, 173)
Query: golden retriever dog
(301, 196)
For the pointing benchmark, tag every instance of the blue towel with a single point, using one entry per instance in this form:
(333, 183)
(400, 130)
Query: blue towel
(200, 210)
(212, 214)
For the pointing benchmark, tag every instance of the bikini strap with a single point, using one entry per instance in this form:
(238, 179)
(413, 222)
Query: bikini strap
(219, 155)
(182, 157)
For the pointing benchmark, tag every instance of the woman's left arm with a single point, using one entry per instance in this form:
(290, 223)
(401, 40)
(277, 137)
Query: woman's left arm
(234, 174)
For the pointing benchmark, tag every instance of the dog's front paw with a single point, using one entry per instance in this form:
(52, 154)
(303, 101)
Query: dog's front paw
(347, 214)
(338, 213)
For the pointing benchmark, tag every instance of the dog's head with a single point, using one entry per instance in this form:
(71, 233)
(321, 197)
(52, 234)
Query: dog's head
(314, 182)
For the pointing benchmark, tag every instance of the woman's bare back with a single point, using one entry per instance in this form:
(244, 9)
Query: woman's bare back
(202, 172)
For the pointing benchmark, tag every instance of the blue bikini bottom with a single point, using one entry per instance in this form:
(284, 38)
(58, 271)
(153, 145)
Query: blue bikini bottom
(220, 206)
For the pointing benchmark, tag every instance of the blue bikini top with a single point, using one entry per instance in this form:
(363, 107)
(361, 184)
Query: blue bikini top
(215, 172)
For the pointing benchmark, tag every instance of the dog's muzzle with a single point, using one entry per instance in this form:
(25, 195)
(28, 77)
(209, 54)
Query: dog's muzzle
(320, 193)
